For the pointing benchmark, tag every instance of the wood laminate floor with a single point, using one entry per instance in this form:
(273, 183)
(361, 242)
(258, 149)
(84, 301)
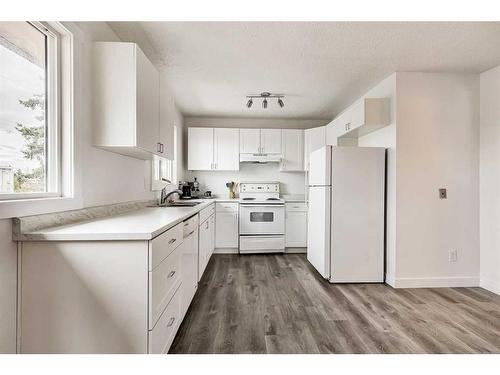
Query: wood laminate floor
(279, 304)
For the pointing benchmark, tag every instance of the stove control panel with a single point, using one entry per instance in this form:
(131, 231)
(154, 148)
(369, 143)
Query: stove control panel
(255, 187)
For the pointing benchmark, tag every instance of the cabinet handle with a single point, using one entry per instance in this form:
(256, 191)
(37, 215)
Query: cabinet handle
(161, 147)
(170, 322)
(172, 241)
(186, 224)
(158, 147)
(172, 273)
(191, 233)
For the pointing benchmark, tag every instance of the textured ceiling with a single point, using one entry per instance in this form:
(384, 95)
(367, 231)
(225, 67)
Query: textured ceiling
(320, 66)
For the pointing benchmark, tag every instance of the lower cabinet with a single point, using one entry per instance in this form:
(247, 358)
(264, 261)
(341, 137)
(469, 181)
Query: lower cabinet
(296, 225)
(226, 225)
(189, 270)
(206, 244)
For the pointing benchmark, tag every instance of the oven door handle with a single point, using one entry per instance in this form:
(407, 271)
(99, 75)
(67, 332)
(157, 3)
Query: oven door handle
(262, 205)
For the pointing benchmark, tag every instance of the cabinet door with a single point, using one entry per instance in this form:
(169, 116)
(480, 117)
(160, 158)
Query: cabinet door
(357, 114)
(148, 104)
(167, 121)
(226, 149)
(293, 150)
(296, 229)
(270, 141)
(314, 139)
(249, 141)
(204, 247)
(189, 270)
(212, 234)
(226, 230)
(200, 149)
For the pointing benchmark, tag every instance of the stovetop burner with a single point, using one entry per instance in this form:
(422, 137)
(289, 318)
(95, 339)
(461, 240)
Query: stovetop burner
(273, 199)
(248, 199)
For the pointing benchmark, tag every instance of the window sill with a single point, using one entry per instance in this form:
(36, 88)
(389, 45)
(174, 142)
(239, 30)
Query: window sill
(38, 206)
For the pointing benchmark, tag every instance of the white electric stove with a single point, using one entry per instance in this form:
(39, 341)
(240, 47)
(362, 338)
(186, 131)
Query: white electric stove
(262, 218)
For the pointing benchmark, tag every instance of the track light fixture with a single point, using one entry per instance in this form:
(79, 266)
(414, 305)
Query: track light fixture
(265, 95)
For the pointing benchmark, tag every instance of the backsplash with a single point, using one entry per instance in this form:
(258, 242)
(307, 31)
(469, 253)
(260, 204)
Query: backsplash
(215, 181)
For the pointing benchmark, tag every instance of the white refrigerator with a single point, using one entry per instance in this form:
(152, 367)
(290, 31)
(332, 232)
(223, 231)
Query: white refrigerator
(346, 213)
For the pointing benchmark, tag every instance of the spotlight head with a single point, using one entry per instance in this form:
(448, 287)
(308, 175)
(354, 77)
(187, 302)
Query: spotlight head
(264, 103)
(280, 102)
(249, 103)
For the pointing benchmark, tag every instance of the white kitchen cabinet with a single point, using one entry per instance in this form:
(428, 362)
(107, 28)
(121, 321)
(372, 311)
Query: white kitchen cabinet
(205, 243)
(226, 149)
(126, 101)
(226, 225)
(292, 144)
(314, 139)
(167, 119)
(364, 116)
(189, 267)
(260, 141)
(200, 148)
(250, 141)
(296, 225)
(270, 141)
(213, 149)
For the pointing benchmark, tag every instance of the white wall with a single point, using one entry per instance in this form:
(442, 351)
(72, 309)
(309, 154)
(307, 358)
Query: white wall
(437, 147)
(8, 290)
(291, 182)
(386, 137)
(490, 180)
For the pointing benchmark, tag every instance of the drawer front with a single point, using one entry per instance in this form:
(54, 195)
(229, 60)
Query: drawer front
(161, 336)
(160, 247)
(261, 243)
(207, 212)
(299, 206)
(163, 282)
(226, 207)
(190, 225)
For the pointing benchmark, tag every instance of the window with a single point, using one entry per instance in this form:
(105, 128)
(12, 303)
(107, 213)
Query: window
(29, 132)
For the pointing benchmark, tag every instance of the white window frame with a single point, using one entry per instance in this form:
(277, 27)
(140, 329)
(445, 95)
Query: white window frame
(52, 119)
(67, 173)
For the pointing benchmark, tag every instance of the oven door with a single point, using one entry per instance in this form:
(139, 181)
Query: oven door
(262, 219)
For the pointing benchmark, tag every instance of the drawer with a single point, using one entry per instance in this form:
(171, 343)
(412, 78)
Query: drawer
(251, 244)
(163, 282)
(298, 206)
(207, 212)
(161, 336)
(226, 207)
(160, 247)
(190, 225)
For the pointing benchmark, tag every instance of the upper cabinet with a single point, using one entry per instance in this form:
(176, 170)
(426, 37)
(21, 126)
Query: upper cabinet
(364, 116)
(167, 120)
(292, 143)
(260, 141)
(226, 149)
(250, 141)
(314, 139)
(126, 101)
(213, 149)
(270, 141)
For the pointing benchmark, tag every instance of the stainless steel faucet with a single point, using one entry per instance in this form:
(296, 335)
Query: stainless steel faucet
(164, 195)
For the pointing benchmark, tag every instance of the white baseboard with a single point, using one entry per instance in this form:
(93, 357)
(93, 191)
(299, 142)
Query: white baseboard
(434, 282)
(390, 280)
(490, 284)
(295, 250)
(226, 250)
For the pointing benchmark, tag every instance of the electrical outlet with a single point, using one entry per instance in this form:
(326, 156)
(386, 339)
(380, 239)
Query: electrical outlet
(452, 256)
(442, 193)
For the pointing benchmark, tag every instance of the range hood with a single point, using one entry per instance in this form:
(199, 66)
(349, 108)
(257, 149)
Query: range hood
(260, 158)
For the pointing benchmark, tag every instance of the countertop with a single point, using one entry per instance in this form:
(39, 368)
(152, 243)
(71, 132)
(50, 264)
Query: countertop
(142, 224)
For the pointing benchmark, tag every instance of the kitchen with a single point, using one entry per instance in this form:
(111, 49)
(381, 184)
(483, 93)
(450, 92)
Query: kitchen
(186, 213)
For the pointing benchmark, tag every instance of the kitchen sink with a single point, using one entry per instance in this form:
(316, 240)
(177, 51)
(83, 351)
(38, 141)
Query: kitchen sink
(178, 204)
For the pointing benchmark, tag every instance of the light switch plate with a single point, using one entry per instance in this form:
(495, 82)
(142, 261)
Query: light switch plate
(442, 193)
